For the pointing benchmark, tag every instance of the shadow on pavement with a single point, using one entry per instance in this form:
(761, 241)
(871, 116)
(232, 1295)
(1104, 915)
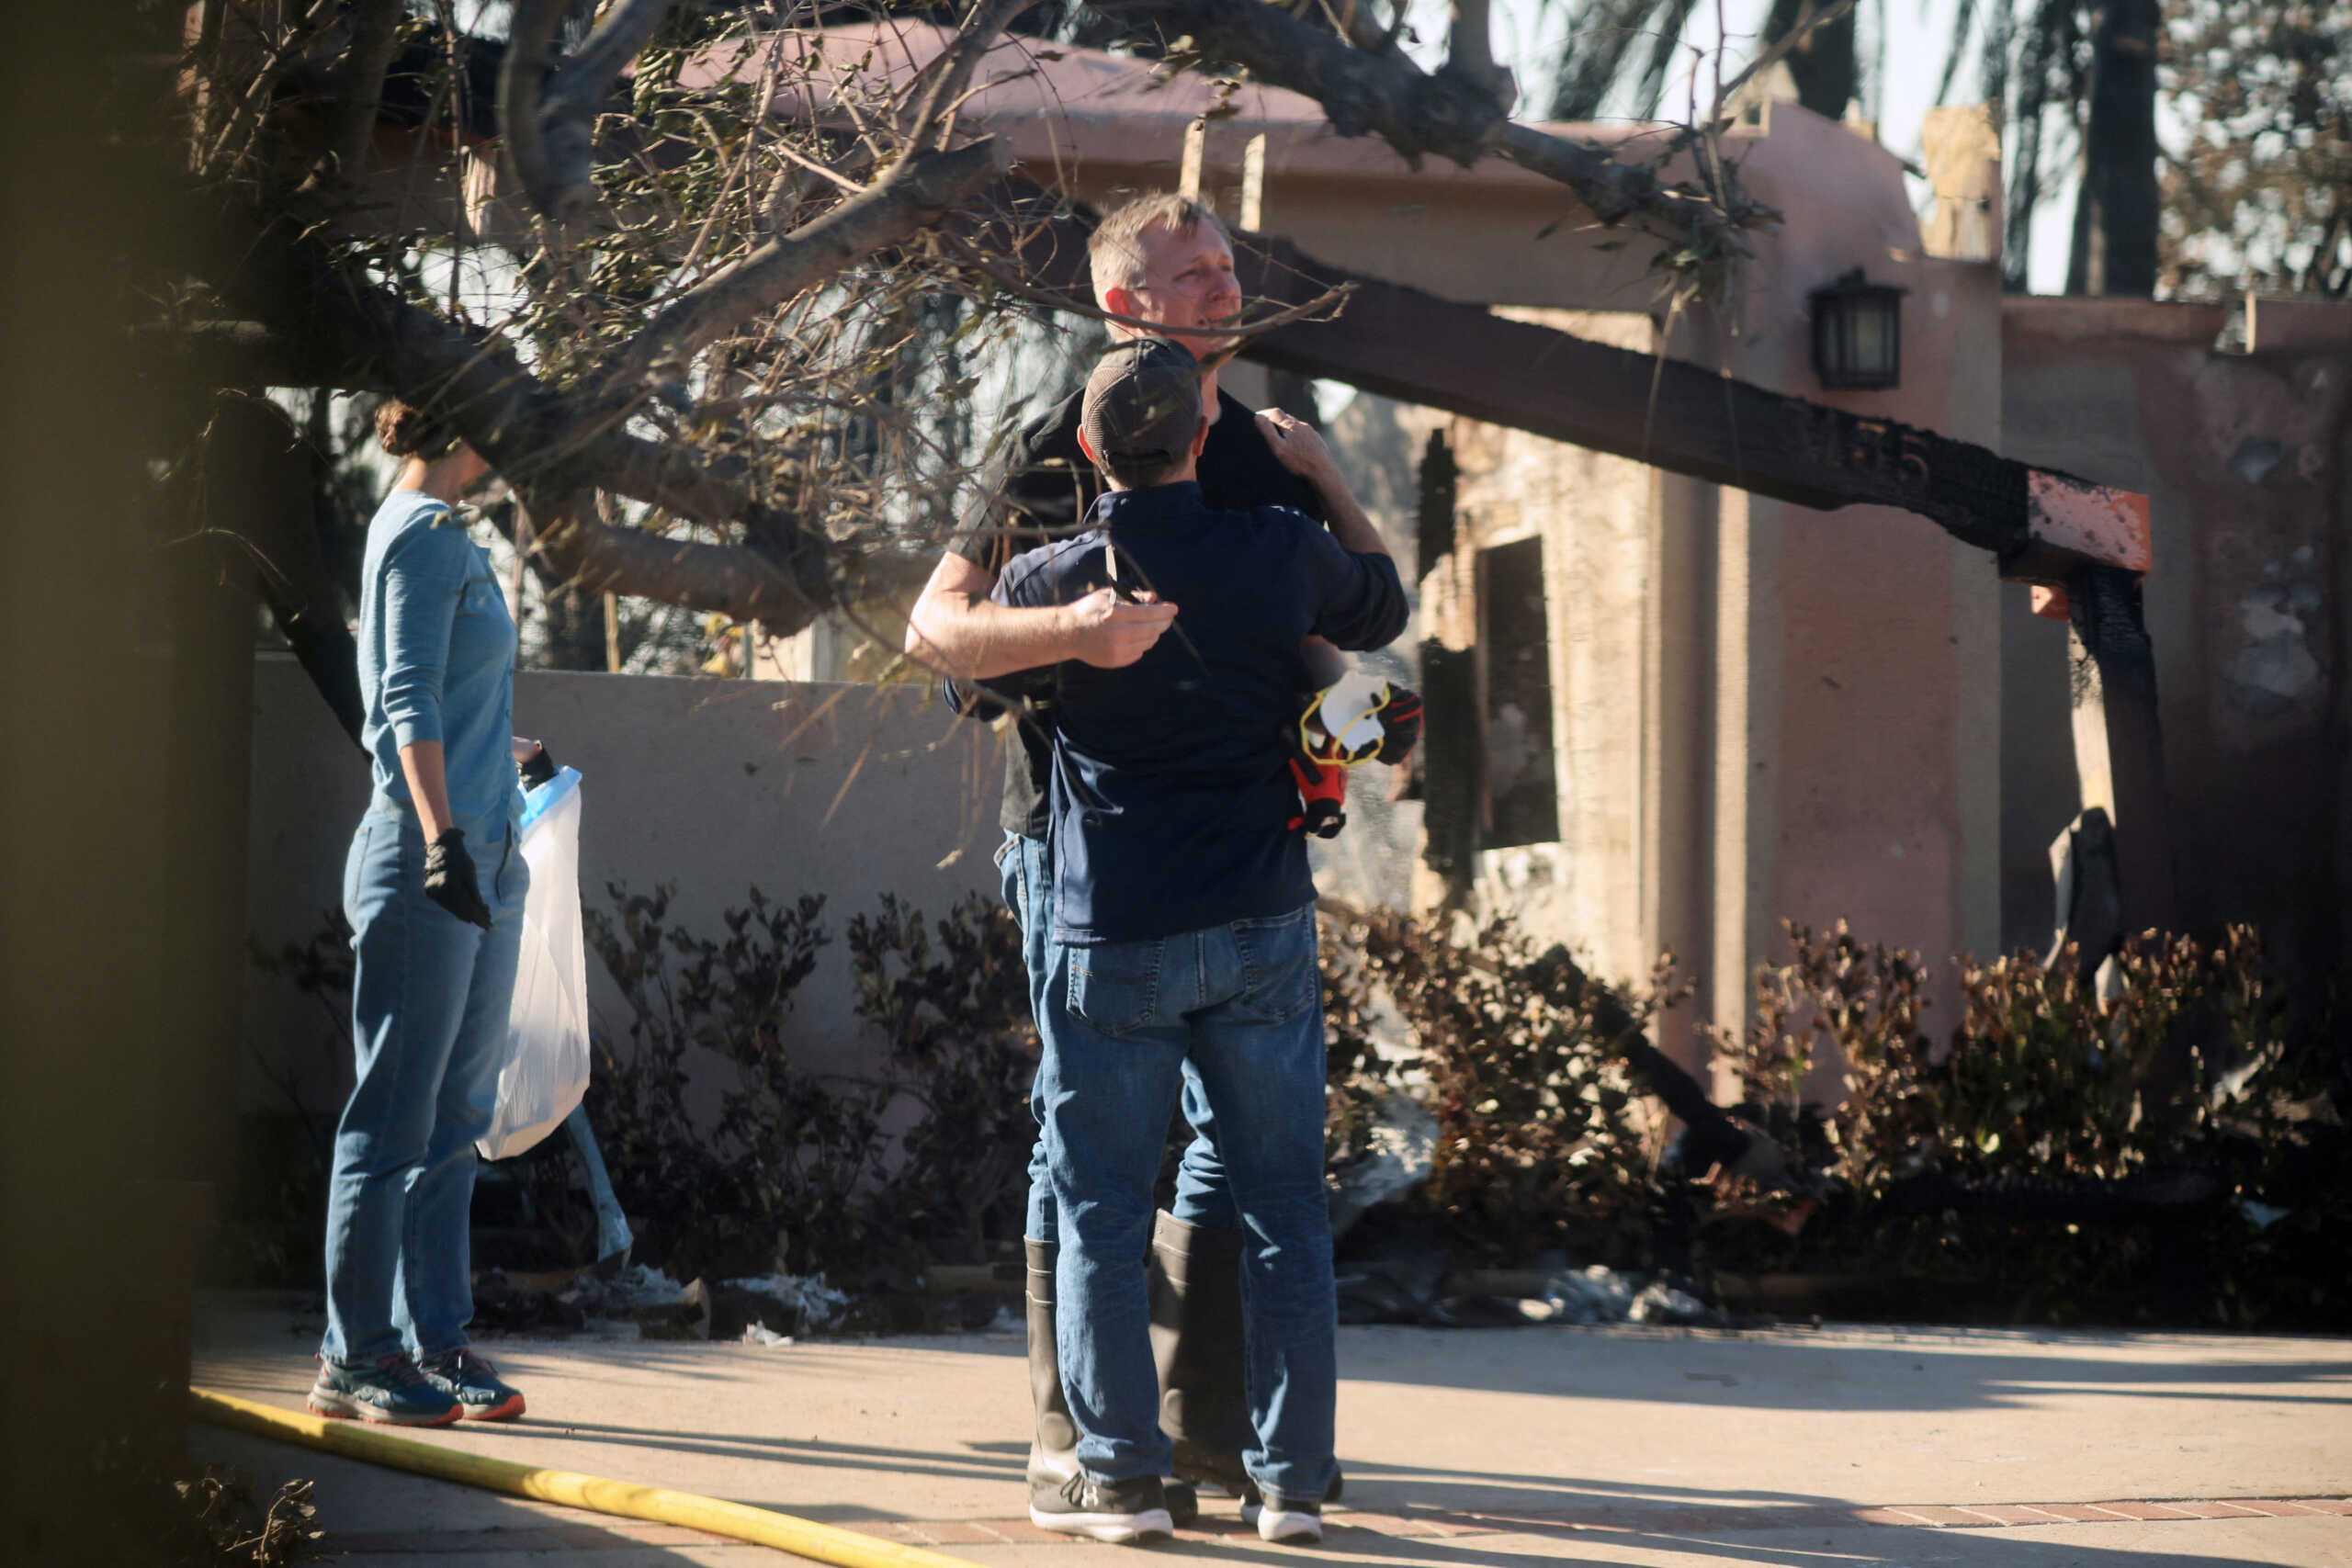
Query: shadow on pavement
(1843, 1549)
(1927, 1370)
(786, 1451)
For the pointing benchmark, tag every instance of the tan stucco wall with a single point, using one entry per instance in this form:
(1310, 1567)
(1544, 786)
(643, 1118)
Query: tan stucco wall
(1594, 514)
(717, 785)
(2244, 459)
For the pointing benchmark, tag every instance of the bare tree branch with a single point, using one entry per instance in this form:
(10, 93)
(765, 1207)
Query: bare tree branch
(1469, 51)
(549, 116)
(580, 87)
(595, 558)
(1351, 19)
(522, 77)
(375, 39)
(1415, 112)
(1323, 307)
(541, 441)
(1613, 190)
(912, 194)
(956, 65)
(1808, 23)
(1360, 93)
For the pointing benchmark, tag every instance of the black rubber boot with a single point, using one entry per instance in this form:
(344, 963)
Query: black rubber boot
(1196, 1340)
(1053, 1444)
(1053, 1450)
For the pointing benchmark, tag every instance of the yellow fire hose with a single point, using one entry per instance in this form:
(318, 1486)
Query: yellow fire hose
(623, 1499)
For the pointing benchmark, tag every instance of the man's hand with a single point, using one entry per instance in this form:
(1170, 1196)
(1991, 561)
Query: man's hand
(1109, 633)
(1298, 447)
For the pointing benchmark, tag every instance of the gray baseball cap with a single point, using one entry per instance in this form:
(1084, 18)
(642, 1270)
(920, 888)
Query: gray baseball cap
(1142, 406)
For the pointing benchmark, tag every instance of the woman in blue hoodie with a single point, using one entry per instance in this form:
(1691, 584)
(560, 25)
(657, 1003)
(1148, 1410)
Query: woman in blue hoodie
(434, 890)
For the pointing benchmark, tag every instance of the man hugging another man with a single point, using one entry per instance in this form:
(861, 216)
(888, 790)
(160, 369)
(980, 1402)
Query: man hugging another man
(1179, 936)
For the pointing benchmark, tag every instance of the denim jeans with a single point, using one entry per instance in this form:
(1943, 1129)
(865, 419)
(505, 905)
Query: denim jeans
(1202, 1197)
(1241, 1005)
(429, 999)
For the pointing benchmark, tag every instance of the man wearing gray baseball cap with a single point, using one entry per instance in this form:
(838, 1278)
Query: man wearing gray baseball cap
(1181, 930)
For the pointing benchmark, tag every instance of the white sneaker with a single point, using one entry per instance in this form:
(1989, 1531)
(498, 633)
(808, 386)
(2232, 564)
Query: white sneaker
(1284, 1522)
(1119, 1512)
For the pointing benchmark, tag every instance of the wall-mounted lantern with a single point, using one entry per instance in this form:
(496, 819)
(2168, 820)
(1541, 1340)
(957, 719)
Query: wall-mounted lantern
(1857, 333)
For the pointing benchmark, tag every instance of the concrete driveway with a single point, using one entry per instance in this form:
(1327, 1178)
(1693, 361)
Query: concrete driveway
(1464, 1448)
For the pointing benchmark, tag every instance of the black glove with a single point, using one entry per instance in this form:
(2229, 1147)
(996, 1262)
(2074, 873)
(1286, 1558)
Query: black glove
(449, 878)
(539, 770)
(1400, 722)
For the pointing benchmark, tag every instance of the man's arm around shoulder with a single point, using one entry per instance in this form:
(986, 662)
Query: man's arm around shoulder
(959, 626)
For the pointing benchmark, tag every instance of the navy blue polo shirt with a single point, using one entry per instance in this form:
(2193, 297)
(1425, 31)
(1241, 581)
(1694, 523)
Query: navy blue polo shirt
(1171, 794)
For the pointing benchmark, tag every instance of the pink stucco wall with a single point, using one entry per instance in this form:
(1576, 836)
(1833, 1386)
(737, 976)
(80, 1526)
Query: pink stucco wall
(2244, 457)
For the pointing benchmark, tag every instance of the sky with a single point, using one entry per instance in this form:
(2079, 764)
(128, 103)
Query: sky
(1903, 44)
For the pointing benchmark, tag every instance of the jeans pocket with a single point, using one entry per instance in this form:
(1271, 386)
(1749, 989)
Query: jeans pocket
(1013, 883)
(1278, 974)
(1114, 987)
(354, 865)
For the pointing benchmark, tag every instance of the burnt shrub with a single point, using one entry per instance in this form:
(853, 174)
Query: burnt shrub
(1543, 1142)
(2155, 1145)
(800, 1170)
(952, 1003)
(773, 1179)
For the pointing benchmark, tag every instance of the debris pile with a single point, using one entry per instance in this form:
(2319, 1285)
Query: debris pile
(767, 1308)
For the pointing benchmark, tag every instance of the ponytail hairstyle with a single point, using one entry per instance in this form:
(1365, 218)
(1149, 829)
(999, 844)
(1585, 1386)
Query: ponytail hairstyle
(407, 431)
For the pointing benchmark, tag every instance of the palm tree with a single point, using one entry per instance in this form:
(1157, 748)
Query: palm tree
(2090, 65)
(1607, 37)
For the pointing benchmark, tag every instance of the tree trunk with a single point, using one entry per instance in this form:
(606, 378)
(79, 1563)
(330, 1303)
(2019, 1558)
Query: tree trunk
(2115, 216)
(575, 630)
(1826, 73)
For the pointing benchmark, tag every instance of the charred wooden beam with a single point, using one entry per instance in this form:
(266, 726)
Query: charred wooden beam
(2044, 526)
(2118, 746)
(1402, 342)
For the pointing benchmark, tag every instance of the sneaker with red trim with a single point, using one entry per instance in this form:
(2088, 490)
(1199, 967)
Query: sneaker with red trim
(474, 1383)
(392, 1391)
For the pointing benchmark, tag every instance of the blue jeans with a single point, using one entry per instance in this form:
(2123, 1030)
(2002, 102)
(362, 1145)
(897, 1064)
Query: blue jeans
(1241, 1007)
(429, 998)
(1202, 1196)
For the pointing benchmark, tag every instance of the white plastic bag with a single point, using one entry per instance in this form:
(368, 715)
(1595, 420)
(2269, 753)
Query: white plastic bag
(546, 1025)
